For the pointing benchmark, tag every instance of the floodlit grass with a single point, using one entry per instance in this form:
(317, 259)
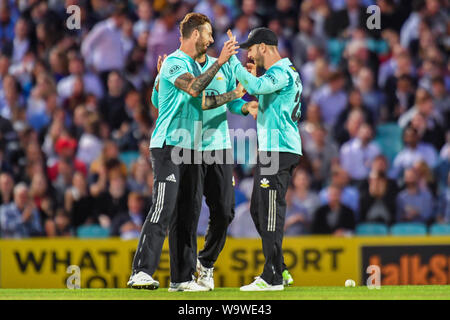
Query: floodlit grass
(438, 292)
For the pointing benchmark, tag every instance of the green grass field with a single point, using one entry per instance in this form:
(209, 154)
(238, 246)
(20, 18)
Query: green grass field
(292, 293)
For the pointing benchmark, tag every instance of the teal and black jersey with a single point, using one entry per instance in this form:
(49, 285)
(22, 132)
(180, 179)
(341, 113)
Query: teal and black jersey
(215, 135)
(278, 92)
(215, 124)
(180, 114)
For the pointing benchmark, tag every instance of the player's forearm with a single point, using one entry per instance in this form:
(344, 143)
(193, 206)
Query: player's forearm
(194, 86)
(244, 109)
(254, 85)
(214, 101)
(235, 106)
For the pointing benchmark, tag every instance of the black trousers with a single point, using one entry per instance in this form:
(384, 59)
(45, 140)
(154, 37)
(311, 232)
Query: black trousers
(217, 179)
(219, 196)
(268, 209)
(168, 190)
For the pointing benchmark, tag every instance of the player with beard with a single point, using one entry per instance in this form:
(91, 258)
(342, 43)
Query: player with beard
(278, 92)
(217, 169)
(180, 109)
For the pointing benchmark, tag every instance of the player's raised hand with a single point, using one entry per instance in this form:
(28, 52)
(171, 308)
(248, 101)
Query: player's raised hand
(251, 67)
(240, 91)
(252, 108)
(230, 35)
(160, 62)
(229, 48)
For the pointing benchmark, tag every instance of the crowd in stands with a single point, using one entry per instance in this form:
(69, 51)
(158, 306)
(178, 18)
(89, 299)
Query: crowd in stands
(76, 116)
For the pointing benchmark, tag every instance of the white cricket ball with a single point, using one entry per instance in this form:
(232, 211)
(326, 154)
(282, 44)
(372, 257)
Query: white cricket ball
(350, 283)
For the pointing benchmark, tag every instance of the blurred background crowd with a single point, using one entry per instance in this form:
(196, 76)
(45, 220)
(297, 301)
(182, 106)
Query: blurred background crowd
(76, 116)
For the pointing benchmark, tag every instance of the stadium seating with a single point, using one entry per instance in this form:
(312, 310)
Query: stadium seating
(92, 231)
(438, 229)
(409, 229)
(389, 137)
(371, 229)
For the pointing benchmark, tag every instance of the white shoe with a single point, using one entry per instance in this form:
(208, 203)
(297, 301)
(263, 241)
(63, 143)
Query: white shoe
(260, 285)
(187, 286)
(141, 280)
(205, 276)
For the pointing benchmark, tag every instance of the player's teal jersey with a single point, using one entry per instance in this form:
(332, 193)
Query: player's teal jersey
(215, 124)
(215, 135)
(278, 92)
(180, 115)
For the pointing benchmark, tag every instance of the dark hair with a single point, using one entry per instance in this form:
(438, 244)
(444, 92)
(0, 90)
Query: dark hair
(119, 9)
(192, 21)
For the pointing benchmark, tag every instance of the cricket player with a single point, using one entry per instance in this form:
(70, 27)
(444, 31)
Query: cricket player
(279, 146)
(217, 168)
(180, 109)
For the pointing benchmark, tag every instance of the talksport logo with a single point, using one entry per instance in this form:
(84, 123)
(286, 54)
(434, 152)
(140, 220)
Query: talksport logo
(408, 265)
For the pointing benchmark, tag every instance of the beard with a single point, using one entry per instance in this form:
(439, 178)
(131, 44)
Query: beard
(201, 47)
(258, 60)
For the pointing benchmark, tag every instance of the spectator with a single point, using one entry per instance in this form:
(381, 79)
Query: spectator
(20, 219)
(414, 204)
(240, 30)
(112, 106)
(163, 39)
(65, 147)
(7, 22)
(102, 48)
(90, 145)
(441, 98)
(378, 201)
(21, 43)
(283, 44)
(334, 217)
(286, 12)
(37, 111)
(344, 21)
(250, 9)
(322, 153)
(443, 167)
(356, 155)
(222, 19)
(137, 182)
(91, 82)
(400, 100)
(425, 119)
(443, 210)
(78, 203)
(113, 200)
(371, 97)
(355, 103)
(128, 41)
(313, 71)
(101, 167)
(301, 204)
(331, 98)
(425, 177)
(351, 127)
(128, 225)
(145, 22)
(12, 106)
(6, 188)
(349, 194)
(413, 151)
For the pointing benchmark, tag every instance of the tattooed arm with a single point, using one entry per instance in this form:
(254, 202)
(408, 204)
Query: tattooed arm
(214, 101)
(195, 85)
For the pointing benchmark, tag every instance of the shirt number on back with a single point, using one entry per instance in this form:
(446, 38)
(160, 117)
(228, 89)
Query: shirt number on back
(295, 116)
